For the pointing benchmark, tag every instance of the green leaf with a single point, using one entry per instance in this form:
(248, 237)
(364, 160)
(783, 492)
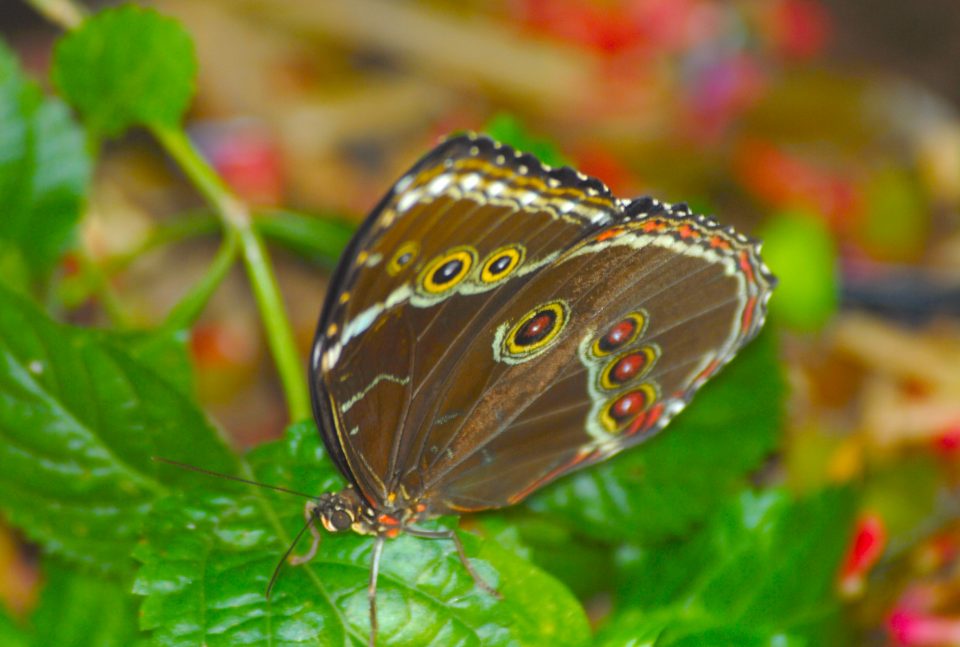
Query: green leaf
(165, 353)
(318, 239)
(582, 564)
(762, 572)
(638, 628)
(84, 610)
(11, 633)
(126, 66)
(80, 419)
(44, 173)
(14, 271)
(506, 128)
(208, 557)
(905, 494)
(660, 489)
(801, 251)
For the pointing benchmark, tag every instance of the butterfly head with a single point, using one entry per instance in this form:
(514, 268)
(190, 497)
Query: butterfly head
(344, 510)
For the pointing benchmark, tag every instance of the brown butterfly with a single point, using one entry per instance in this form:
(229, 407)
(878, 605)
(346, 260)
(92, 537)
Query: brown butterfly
(496, 324)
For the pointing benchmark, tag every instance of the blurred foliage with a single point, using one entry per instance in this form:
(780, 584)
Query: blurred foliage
(802, 255)
(113, 90)
(761, 571)
(44, 176)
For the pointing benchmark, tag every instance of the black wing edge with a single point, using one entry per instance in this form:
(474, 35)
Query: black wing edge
(649, 207)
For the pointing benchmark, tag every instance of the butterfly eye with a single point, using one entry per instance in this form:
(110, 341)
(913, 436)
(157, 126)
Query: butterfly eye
(622, 333)
(627, 366)
(403, 257)
(534, 333)
(446, 271)
(626, 408)
(501, 263)
(338, 520)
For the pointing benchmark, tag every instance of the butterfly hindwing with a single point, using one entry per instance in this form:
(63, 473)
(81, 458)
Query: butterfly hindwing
(638, 315)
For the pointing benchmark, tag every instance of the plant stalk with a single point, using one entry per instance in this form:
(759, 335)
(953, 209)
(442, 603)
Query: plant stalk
(236, 218)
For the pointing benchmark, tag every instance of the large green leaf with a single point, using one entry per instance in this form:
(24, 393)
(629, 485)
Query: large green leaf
(44, 172)
(166, 353)
(127, 66)
(80, 420)
(763, 571)
(208, 558)
(659, 489)
(79, 609)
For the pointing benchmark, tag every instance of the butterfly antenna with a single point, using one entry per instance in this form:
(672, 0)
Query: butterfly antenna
(293, 544)
(193, 468)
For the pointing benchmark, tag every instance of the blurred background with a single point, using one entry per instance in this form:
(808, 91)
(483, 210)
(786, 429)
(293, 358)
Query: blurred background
(828, 128)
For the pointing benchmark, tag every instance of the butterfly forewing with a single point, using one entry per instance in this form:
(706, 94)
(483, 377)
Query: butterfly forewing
(437, 260)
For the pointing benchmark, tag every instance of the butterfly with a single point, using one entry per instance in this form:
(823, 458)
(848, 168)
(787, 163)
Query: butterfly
(496, 324)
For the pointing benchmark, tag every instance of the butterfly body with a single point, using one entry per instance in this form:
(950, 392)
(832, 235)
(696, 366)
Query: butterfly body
(496, 324)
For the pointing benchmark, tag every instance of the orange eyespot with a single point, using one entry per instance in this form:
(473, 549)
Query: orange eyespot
(628, 366)
(535, 331)
(624, 408)
(622, 333)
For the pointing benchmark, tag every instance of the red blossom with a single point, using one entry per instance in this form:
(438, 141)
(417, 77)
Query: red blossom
(784, 180)
(249, 162)
(601, 163)
(909, 627)
(218, 344)
(869, 540)
(613, 28)
(947, 443)
(801, 29)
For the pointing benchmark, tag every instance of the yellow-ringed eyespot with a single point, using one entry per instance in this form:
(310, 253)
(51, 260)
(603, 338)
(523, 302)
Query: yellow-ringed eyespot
(622, 333)
(501, 263)
(403, 257)
(623, 409)
(446, 271)
(535, 331)
(628, 366)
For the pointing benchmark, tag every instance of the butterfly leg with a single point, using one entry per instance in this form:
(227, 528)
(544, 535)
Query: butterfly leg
(309, 513)
(372, 587)
(452, 536)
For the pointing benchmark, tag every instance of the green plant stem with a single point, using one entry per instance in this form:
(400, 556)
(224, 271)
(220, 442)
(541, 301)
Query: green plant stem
(98, 284)
(236, 218)
(189, 308)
